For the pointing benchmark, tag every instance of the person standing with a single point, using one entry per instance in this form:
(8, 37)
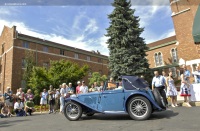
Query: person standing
(92, 89)
(159, 84)
(29, 95)
(43, 100)
(196, 74)
(63, 92)
(185, 87)
(51, 94)
(186, 74)
(78, 87)
(83, 88)
(9, 99)
(70, 89)
(20, 95)
(57, 99)
(171, 90)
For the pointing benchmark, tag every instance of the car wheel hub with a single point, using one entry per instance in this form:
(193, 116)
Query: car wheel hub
(138, 108)
(72, 110)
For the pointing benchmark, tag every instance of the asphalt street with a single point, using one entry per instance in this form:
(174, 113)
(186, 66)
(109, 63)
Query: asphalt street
(176, 119)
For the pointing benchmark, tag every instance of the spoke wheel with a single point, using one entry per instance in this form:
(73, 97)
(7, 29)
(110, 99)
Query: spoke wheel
(139, 108)
(72, 111)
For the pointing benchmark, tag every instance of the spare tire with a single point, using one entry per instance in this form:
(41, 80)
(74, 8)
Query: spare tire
(159, 98)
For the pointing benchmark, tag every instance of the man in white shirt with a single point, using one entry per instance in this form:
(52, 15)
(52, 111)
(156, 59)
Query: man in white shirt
(18, 108)
(63, 92)
(83, 88)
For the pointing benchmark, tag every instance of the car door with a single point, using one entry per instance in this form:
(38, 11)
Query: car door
(112, 100)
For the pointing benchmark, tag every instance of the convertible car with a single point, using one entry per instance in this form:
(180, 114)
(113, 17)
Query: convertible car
(133, 97)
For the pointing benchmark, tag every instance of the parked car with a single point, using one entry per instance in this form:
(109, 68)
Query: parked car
(135, 98)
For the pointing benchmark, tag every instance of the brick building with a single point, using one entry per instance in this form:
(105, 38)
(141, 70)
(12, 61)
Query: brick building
(12, 55)
(184, 47)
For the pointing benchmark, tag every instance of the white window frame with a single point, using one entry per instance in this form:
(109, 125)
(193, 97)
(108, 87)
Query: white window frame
(174, 55)
(76, 56)
(23, 63)
(45, 49)
(157, 60)
(62, 52)
(88, 58)
(25, 44)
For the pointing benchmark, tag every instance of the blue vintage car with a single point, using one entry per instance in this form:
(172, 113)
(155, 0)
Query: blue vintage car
(133, 97)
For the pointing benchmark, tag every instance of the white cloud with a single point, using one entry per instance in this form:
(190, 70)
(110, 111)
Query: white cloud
(78, 42)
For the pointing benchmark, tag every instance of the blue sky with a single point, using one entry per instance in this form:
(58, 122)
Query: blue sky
(84, 26)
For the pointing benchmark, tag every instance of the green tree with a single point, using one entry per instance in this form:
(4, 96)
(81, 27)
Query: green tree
(59, 72)
(96, 77)
(127, 48)
(38, 81)
(65, 71)
(29, 64)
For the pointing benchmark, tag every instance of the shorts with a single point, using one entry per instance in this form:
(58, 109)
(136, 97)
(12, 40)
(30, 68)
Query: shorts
(52, 102)
(8, 103)
(43, 102)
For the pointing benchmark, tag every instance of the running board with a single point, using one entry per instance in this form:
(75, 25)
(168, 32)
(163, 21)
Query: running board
(114, 112)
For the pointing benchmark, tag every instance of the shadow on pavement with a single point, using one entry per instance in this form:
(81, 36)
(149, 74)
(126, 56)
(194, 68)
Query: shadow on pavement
(157, 115)
(165, 114)
(5, 122)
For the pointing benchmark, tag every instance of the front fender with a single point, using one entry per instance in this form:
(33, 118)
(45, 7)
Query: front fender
(145, 95)
(75, 99)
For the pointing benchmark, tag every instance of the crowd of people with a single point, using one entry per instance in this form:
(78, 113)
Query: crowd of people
(22, 103)
(51, 100)
(166, 87)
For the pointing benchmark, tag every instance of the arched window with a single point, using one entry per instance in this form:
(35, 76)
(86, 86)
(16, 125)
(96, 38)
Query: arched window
(158, 59)
(174, 55)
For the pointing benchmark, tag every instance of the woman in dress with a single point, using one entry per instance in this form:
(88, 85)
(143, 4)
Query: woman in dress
(185, 88)
(43, 100)
(171, 90)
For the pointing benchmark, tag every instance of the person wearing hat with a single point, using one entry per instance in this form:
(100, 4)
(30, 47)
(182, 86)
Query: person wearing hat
(70, 89)
(78, 87)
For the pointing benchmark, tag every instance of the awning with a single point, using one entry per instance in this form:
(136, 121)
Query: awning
(196, 26)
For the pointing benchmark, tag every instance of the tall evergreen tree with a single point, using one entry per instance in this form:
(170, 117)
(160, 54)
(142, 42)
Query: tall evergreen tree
(127, 48)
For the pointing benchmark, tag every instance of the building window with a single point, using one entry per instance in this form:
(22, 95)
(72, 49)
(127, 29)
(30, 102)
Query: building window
(62, 52)
(100, 72)
(2, 48)
(158, 59)
(173, 69)
(99, 60)
(23, 63)
(46, 65)
(174, 55)
(90, 72)
(76, 55)
(25, 44)
(23, 84)
(194, 67)
(45, 49)
(88, 58)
